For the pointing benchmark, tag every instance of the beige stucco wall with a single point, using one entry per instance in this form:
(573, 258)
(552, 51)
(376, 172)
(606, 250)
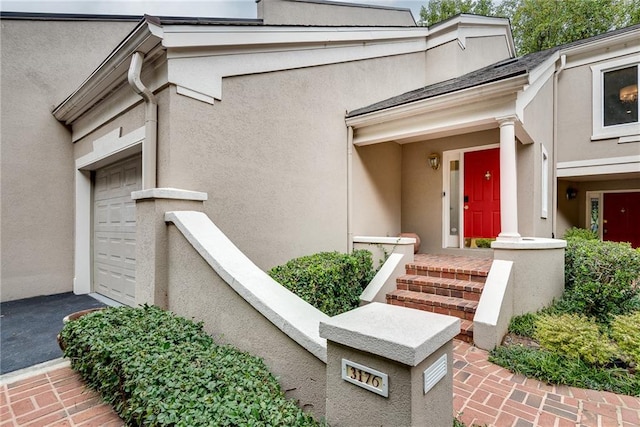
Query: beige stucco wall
(575, 101)
(538, 123)
(479, 52)
(294, 12)
(272, 155)
(42, 62)
(377, 174)
(196, 291)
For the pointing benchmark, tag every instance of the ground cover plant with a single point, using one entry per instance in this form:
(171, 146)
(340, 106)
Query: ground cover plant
(158, 369)
(330, 281)
(590, 338)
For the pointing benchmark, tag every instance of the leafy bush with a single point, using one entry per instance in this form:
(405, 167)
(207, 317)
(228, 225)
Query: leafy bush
(330, 281)
(625, 330)
(580, 233)
(158, 369)
(556, 369)
(574, 336)
(601, 278)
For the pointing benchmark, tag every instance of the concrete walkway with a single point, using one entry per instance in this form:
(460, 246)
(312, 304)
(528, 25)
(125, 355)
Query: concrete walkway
(54, 395)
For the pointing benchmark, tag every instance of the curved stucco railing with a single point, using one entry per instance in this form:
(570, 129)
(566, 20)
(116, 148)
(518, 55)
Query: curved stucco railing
(288, 312)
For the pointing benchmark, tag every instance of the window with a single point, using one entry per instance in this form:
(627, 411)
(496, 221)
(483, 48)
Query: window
(615, 101)
(620, 101)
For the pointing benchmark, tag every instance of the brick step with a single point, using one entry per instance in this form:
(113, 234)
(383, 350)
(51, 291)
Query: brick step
(466, 331)
(450, 267)
(452, 306)
(446, 287)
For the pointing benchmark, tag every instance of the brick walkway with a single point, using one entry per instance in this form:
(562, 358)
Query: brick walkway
(488, 394)
(55, 398)
(483, 392)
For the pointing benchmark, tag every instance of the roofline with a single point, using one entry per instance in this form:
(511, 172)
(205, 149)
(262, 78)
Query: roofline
(506, 84)
(166, 20)
(143, 38)
(40, 16)
(602, 41)
(361, 5)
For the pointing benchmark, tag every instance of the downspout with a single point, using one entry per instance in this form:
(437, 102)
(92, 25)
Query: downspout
(554, 197)
(150, 144)
(349, 189)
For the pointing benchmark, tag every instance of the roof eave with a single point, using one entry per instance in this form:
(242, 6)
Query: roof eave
(112, 72)
(482, 92)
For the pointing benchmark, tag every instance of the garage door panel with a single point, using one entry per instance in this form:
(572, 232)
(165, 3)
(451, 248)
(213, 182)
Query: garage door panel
(114, 229)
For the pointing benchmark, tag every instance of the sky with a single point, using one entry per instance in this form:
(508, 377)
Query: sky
(201, 8)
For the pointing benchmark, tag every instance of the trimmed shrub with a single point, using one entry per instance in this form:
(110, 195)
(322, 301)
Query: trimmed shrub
(330, 281)
(580, 233)
(157, 369)
(625, 330)
(601, 278)
(574, 336)
(484, 242)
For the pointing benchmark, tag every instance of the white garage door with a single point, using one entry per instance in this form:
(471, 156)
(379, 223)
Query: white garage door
(114, 230)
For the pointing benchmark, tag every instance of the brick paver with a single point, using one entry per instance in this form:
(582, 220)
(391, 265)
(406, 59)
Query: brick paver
(484, 394)
(55, 398)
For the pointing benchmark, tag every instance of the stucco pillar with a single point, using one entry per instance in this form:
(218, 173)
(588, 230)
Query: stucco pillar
(151, 239)
(508, 181)
(382, 370)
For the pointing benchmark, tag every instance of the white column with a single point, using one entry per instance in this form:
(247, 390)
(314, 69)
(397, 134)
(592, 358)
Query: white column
(508, 182)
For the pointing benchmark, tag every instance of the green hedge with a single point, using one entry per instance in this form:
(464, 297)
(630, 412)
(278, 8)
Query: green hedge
(601, 278)
(330, 281)
(157, 369)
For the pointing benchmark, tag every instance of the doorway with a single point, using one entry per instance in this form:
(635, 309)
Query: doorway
(471, 193)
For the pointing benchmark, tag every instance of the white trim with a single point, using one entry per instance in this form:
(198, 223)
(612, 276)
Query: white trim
(385, 240)
(610, 165)
(544, 182)
(195, 95)
(599, 131)
(107, 149)
(538, 77)
(169, 193)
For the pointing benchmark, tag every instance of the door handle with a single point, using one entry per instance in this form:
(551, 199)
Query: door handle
(466, 207)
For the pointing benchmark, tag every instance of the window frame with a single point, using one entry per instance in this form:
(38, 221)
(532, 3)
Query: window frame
(600, 131)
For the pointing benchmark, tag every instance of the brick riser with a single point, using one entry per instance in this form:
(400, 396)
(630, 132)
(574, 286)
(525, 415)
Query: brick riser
(451, 290)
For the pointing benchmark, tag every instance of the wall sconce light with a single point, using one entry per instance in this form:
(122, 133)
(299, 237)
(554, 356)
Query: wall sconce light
(434, 161)
(572, 193)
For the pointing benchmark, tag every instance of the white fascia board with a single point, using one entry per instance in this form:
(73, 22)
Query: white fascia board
(471, 117)
(537, 79)
(470, 26)
(203, 73)
(462, 98)
(185, 36)
(601, 166)
(603, 49)
(144, 38)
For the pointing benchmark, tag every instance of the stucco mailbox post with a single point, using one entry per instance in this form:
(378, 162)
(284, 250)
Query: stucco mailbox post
(389, 366)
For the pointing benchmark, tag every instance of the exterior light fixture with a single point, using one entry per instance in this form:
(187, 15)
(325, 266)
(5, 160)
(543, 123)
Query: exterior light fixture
(572, 193)
(434, 161)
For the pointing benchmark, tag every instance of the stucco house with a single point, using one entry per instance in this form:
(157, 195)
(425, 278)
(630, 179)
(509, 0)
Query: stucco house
(299, 131)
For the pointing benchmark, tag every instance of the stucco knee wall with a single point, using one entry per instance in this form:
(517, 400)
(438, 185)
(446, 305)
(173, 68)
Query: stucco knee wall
(538, 276)
(196, 291)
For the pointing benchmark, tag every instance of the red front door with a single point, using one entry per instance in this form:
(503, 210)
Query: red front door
(621, 218)
(482, 193)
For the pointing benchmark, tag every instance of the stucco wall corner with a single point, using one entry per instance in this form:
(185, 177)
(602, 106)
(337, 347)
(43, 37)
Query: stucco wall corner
(495, 308)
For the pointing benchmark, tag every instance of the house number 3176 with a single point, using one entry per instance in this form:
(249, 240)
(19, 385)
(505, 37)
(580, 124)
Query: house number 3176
(365, 377)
